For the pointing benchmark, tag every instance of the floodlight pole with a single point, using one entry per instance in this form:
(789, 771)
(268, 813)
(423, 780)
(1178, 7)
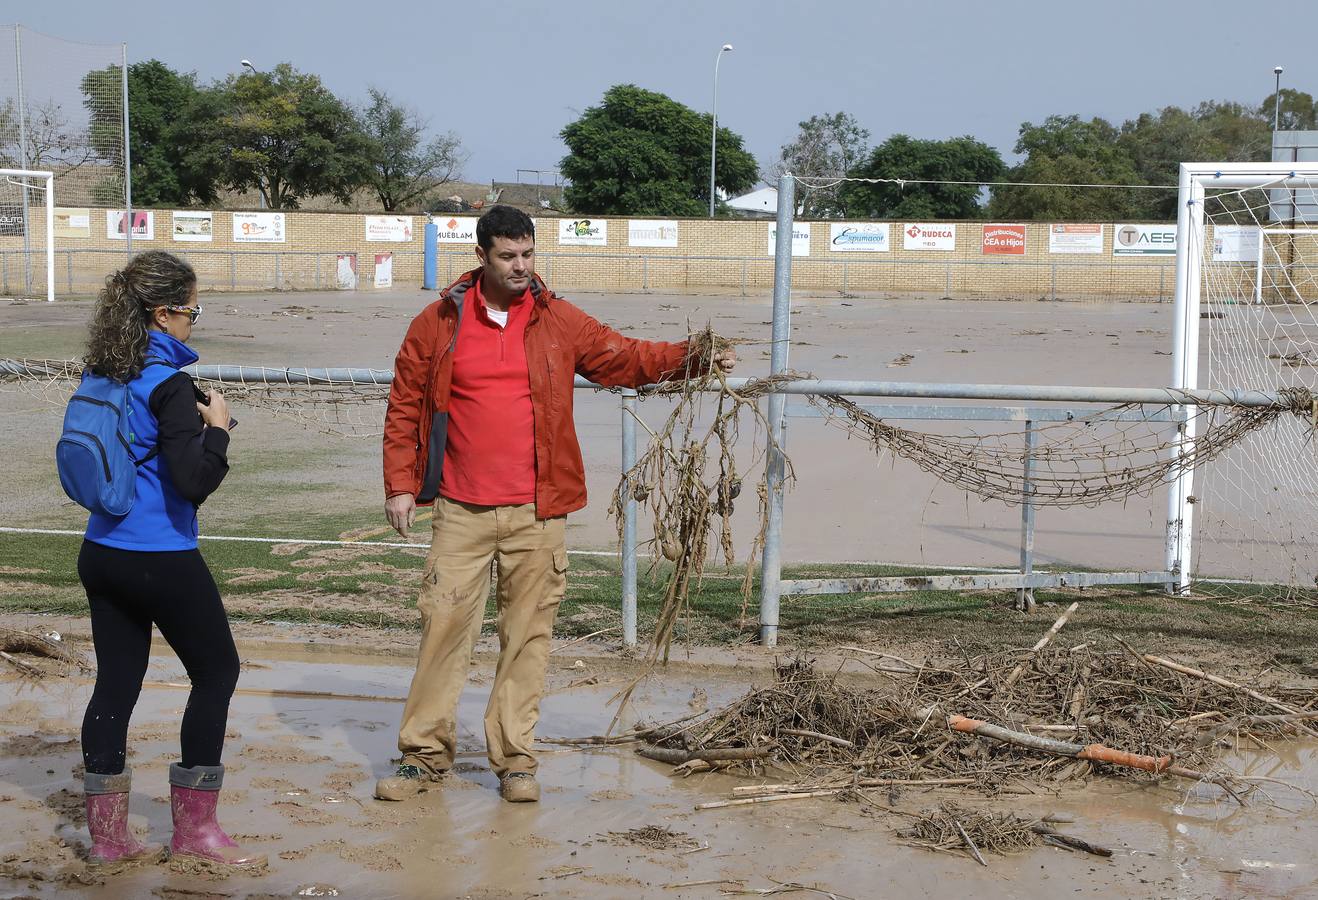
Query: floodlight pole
(713, 137)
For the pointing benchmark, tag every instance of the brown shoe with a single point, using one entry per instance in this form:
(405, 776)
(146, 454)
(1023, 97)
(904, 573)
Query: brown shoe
(519, 787)
(407, 782)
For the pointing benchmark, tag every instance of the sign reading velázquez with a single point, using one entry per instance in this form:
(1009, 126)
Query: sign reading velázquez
(583, 232)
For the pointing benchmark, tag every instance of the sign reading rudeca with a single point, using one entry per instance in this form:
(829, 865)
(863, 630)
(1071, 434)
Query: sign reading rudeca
(583, 232)
(1075, 238)
(862, 237)
(1003, 240)
(651, 233)
(928, 236)
(800, 238)
(455, 229)
(1144, 240)
(258, 228)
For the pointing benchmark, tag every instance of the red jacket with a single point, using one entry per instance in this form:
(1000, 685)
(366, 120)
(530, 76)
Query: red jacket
(561, 341)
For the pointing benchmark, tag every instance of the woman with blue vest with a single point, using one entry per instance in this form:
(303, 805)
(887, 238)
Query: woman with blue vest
(144, 568)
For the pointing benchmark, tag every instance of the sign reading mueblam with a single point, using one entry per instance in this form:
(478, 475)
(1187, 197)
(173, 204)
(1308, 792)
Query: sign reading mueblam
(455, 229)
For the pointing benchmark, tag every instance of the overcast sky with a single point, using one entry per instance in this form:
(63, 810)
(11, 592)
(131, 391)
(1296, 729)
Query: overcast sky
(507, 75)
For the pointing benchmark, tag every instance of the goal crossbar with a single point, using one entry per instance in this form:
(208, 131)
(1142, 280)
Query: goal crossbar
(49, 189)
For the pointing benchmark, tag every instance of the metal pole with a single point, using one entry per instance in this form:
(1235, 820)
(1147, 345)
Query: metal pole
(1185, 371)
(713, 137)
(1025, 596)
(1258, 270)
(50, 238)
(128, 152)
(628, 520)
(775, 468)
(1276, 105)
(23, 161)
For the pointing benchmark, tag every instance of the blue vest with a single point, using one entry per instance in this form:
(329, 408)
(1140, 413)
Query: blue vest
(161, 519)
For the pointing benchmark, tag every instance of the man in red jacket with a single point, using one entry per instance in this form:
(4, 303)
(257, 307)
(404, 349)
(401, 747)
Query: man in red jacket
(480, 423)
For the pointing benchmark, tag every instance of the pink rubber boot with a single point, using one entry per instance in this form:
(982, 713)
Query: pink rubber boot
(107, 820)
(193, 795)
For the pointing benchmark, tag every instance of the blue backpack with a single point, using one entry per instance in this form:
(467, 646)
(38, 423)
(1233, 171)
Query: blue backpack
(94, 455)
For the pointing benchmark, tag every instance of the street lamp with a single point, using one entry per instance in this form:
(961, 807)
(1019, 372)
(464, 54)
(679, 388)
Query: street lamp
(1276, 102)
(260, 182)
(713, 138)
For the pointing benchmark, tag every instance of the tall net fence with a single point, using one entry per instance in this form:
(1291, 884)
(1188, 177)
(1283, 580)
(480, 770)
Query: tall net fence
(61, 110)
(1258, 504)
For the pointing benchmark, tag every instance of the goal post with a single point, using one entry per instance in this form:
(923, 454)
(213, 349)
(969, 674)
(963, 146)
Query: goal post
(1257, 321)
(21, 182)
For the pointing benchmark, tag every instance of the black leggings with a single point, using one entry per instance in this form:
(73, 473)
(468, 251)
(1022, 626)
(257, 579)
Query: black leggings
(128, 590)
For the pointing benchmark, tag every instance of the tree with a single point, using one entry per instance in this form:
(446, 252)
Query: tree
(1298, 111)
(283, 133)
(1062, 152)
(642, 153)
(403, 167)
(162, 129)
(827, 146)
(904, 158)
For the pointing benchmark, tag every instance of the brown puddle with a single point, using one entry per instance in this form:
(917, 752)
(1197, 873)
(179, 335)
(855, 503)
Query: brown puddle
(302, 768)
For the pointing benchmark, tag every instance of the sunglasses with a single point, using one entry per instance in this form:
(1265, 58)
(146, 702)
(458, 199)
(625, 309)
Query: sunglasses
(192, 312)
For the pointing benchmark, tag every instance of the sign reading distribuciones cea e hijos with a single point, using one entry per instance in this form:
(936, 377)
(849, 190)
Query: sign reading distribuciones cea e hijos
(858, 237)
(1144, 240)
(1003, 240)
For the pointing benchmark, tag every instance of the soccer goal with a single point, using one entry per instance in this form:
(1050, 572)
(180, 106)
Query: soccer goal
(27, 233)
(1246, 318)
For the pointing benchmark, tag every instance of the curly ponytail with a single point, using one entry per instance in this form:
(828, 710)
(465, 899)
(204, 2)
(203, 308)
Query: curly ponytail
(117, 339)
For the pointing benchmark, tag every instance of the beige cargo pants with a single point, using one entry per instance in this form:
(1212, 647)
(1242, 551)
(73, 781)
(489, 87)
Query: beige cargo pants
(532, 577)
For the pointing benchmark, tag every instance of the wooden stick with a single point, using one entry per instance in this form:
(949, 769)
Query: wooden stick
(1043, 642)
(801, 732)
(1231, 685)
(769, 798)
(584, 638)
(974, 851)
(1066, 840)
(676, 757)
(25, 668)
(861, 783)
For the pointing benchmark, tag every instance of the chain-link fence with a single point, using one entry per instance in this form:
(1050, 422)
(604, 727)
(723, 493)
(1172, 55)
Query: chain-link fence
(63, 110)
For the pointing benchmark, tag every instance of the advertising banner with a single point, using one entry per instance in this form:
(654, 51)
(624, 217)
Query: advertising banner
(1076, 239)
(1144, 240)
(1236, 243)
(397, 229)
(800, 238)
(193, 226)
(858, 237)
(73, 221)
(258, 228)
(651, 233)
(455, 229)
(928, 236)
(583, 232)
(144, 225)
(1003, 240)
(384, 270)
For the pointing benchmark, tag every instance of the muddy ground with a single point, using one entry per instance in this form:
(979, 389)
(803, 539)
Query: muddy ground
(301, 770)
(848, 504)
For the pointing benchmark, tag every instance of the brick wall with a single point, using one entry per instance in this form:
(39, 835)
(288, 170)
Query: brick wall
(723, 255)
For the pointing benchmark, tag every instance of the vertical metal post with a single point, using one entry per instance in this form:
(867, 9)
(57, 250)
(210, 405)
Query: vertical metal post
(844, 276)
(279, 273)
(1052, 289)
(743, 276)
(948, 270)
(128, 152)
(233, 271)
(1185, 373)
(23, 162)
(317, 271)
(645, 273)
(775, 467)
(68, 260)
(1258, 271)
(1025, 595)
(628, 520)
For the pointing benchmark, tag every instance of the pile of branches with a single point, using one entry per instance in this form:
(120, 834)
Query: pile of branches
(987, 721)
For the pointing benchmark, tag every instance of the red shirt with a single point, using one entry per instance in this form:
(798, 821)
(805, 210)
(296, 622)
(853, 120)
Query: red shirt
(489, 459)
